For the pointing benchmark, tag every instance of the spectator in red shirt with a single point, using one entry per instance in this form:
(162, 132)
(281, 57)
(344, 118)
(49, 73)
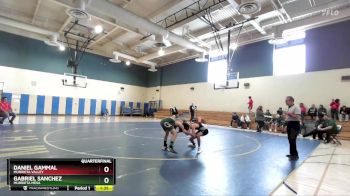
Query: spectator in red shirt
(250, 104)
(302, 110)
(6, 111)
(335, 109)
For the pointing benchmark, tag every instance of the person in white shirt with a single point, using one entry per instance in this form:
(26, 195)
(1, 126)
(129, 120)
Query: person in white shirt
(245, 120)
(293, 127)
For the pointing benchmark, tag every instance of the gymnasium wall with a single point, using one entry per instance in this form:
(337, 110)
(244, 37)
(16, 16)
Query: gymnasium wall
(34, 92)
(31, 68)
(33, 72)
(25, 53)
(269, 91)
(327, 59)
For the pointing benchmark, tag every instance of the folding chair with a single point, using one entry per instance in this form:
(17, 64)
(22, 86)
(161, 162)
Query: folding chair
(334, 137)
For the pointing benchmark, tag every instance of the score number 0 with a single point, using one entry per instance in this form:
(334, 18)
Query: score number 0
(106, 170)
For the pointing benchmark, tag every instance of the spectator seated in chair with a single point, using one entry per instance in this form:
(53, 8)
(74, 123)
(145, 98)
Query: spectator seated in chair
(105, 113)
(280, 111)
(6, 111)
(315, 132)
(344, 113)
(235, 119)
(312, 112)
(327, 126)
(174, 112)
(321, 110)
(245, 121)
(277, 122)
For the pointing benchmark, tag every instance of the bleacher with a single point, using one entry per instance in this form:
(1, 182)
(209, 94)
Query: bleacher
(224, 119)
(212, 117)
(345, 134)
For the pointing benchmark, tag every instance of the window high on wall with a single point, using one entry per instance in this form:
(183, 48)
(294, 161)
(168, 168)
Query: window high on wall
(289, 60)
(217, 71)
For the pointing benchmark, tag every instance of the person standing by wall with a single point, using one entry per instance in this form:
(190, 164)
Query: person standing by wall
(250, 104)
(335, 109)
(192, 111)
(259, 118)
(293, 127)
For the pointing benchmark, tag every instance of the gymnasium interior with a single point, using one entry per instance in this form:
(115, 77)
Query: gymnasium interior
(92, 79)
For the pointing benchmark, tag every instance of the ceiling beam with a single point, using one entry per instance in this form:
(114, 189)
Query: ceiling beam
(190, 19)
(207, 33)
(254, 23)
(65, 23)
(134, 43)
(306, 24)
(103, 36)
(102, 17)
(36, 11)
(167, 51)
(249, 31)
(284, 10)
(300, 25)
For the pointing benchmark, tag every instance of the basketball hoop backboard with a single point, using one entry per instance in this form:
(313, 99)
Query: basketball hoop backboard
(74, 80)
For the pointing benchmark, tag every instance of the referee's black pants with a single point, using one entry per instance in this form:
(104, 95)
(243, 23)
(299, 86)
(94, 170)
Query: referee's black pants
(192, 115)
(293, 129)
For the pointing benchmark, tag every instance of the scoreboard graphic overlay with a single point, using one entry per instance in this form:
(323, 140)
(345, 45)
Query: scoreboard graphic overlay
(84, 174)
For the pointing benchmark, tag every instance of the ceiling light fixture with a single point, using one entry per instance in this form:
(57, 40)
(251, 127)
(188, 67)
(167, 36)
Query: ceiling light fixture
(53, 40)
(233, 46)
(115, 59)
(162, 41)
(61, 47)
(278, 38)
(161, 52)
(98, 29)
(201, 59)
(152, 68)
(127, 63)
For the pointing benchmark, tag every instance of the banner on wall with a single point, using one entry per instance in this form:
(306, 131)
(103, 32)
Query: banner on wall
(233, 80)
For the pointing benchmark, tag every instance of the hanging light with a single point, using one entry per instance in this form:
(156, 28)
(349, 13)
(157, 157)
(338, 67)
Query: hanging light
(161, 52)
(127, 63)
(115, 59)
(61, 47)
(233, 46)
(152, 68)
(53, 40)
(202, 58)
(98, 29)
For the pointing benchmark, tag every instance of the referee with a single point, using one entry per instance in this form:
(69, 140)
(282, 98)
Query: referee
(293, 127)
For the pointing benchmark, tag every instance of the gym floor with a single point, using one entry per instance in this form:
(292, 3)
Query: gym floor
(233, 162)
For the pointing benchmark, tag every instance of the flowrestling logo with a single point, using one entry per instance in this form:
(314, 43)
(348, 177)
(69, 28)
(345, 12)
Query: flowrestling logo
(330, 12)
